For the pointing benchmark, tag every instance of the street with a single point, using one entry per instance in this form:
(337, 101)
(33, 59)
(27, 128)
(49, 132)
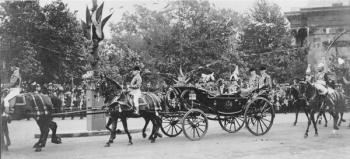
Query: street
(282, 141)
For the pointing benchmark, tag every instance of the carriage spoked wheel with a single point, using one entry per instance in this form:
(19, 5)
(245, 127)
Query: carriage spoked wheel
(259, 116)
(195, 124)
(171, 126)
(231, 123)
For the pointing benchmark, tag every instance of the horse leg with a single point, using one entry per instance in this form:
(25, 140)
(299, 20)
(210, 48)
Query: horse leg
(319, 118)
(37, 144)
(46, 131)
(312, 116)
(125, 125)
(113, 122)
(296, 115)
(152, 135)
(341, 119)
(144, 135)
(335, 120)
(325, 119)
(308, 124)
(6, 132)
(54, 138)
(2, 138)
(158, 127)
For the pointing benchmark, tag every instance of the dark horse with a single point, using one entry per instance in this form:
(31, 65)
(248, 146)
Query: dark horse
(39, 107)
(4, 127)
(299, 102)
(119, 107)
(334, 101)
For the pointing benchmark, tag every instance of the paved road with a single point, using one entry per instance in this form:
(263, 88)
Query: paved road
(283, 141)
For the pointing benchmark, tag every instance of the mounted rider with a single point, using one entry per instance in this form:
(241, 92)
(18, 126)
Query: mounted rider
(14, 88)
(135, 86)
(320, 79)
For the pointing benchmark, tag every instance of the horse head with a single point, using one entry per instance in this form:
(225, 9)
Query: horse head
(309, 92)
(292, 93)
(108, 88)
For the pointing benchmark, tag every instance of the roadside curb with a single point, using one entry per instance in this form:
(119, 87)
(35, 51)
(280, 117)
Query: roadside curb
(90, 133)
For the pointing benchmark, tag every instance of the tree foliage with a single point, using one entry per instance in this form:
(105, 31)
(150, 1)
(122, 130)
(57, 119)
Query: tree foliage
(190, 34)
(50, 36)
(265, 41)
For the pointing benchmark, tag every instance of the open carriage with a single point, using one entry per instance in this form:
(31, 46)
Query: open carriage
(190, 108)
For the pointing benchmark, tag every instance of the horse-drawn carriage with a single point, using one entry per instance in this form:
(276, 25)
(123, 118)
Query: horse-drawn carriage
(189, 109)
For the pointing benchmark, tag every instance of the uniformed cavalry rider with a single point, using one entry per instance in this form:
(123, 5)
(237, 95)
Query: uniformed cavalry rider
(135, 86)
(320, 81)
(14, 87)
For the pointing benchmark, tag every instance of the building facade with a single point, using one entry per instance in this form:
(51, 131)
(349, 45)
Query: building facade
(317, 28)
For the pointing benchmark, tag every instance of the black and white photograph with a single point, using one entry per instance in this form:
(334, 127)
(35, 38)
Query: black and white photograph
(175, 79)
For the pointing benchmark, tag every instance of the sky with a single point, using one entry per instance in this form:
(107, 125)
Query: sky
(118, 7)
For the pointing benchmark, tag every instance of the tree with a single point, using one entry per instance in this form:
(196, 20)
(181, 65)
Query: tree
(266, 29)
(190, 34)
(265, 41)
(50, 35)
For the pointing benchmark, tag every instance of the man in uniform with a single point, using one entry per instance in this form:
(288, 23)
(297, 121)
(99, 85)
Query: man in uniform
(14, 86)
(135, 86)
(320, 82)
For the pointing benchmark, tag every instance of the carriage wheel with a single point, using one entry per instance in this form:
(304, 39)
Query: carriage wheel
(232, 123)
(259, 116)
(171, 126)
(195, 124)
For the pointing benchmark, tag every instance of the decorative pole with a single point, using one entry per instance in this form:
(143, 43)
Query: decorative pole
(93, 30)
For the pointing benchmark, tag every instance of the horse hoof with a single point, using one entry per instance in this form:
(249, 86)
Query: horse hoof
(107, 144)
(343, 120)
(153, 141)
(36, 145)
(159, 135)
(336, 128)
(325, 125)
(305, 136)
(56, 140)
(294, 124)
(316, 135)
(130, 143)
(144, 135)
(38, 149)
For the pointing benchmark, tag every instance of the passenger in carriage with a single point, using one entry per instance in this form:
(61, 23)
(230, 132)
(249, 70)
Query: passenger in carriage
(253, 82)
(234, 86)
(265, 80)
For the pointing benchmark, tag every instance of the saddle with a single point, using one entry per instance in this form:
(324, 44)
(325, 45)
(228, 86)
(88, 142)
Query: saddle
(129, 103)
(39, 104)
(19, 100)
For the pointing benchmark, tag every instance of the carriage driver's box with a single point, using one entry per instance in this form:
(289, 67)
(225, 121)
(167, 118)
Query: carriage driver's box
(94, 121)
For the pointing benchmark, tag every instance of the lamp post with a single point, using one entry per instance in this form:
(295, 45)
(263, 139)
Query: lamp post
(93, 30)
